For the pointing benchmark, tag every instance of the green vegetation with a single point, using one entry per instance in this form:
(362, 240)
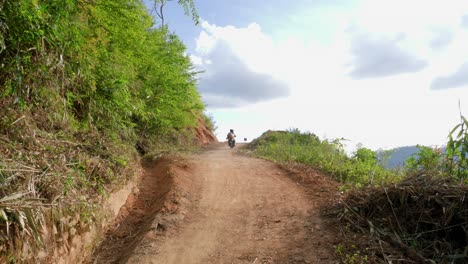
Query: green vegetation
(188, 5)
(428, 159)
(452, 162)
(96, 65)
(208, 119)
(355, 257)
(365, 167)
(83, 86)
(362, 169)
(456, 163)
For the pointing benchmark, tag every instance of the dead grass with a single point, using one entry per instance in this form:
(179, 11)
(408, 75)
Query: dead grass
(423, 217)
(50, 182)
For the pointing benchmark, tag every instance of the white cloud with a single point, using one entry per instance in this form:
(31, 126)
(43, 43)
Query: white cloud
(237, 66)
(459, 78)
(380, 57)
(196, 60)
(464, 21)
(421, 38)
(442, 38)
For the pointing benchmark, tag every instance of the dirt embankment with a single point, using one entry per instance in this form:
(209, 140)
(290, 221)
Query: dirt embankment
(222, 207)
(203, 133)
(158, 193)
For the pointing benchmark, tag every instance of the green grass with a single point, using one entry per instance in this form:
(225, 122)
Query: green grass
(361, 169)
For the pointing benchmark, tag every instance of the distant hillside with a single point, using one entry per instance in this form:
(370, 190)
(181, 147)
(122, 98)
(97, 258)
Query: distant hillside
(400, 155)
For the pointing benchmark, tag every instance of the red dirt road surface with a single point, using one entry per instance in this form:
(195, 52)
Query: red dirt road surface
(223, 207)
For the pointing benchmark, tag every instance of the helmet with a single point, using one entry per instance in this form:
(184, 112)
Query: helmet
(232, 130)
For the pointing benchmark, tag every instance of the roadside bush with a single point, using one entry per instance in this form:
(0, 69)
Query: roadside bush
(362, 169)
(450, 162)
(424, 216)
(428, 159)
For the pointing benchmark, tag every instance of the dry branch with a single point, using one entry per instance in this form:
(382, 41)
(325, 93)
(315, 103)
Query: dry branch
(424, 217)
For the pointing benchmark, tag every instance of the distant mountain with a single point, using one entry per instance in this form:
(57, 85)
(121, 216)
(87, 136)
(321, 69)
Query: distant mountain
(398, 156)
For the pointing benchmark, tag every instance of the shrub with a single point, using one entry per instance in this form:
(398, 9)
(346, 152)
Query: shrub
(361, 169)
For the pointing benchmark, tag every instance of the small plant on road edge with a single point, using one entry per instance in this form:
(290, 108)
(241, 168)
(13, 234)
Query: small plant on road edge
(351, 255)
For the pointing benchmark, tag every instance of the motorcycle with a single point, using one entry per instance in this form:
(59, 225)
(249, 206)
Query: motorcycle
(231, 143)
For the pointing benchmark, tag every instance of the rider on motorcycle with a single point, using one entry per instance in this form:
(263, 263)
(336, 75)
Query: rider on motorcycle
(231, 136)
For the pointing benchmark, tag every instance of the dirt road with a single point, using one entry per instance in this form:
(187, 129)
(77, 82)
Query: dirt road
(227, 208)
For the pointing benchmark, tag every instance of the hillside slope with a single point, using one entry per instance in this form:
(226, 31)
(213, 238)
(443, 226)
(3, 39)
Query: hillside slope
(85, 87)
(204, 132)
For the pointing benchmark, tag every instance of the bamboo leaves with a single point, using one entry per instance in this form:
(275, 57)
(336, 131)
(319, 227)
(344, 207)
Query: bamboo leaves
(457, 150)
(188, 6)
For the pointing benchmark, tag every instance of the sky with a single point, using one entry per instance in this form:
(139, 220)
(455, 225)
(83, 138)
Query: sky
(383, 74)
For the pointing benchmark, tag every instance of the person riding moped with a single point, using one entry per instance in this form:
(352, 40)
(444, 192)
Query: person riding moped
(231, 137)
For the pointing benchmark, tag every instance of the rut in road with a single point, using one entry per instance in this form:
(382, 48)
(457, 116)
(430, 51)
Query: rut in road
(229, 208)
(137, 215)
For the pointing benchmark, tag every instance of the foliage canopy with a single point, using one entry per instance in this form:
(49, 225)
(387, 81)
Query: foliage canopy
(104, 61)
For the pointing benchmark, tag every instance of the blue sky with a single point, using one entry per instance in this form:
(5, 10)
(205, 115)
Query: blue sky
(380, 73)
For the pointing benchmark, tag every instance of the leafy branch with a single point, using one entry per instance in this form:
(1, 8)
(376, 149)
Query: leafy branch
(457, 150)
(188, 5)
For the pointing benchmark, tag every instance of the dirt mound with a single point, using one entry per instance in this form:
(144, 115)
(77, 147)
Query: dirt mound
(423, 217)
